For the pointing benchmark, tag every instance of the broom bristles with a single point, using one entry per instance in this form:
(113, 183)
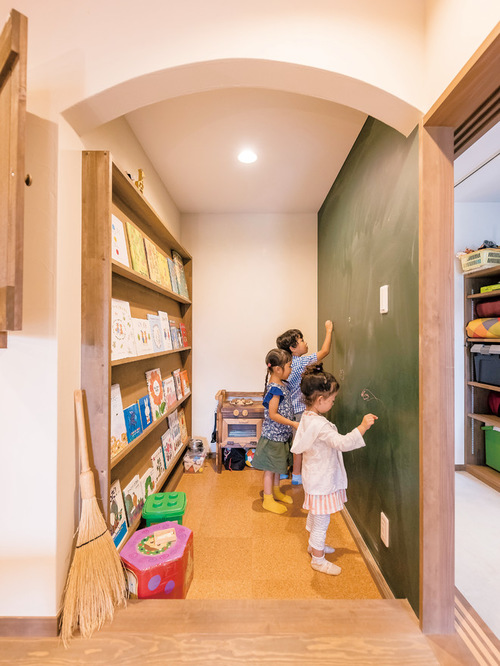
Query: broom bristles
(96, 580)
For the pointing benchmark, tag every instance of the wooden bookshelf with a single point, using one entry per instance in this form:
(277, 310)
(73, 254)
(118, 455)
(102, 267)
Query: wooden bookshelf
(107, 190)
(476, 392)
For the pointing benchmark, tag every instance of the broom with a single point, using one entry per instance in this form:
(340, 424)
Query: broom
(96, 579)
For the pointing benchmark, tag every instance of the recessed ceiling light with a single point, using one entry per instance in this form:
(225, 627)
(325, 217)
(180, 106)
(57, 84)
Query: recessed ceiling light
(247, 156)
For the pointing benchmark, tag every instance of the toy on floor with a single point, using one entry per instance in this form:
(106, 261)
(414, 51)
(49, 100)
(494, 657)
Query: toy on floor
(159, 561)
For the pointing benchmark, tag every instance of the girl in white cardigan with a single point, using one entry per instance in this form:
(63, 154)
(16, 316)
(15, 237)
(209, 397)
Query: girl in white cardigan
(323, 473)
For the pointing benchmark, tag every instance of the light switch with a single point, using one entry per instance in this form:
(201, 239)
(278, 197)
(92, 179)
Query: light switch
(384, 299)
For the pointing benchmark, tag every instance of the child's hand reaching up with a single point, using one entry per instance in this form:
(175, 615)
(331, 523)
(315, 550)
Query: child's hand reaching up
(367, 422)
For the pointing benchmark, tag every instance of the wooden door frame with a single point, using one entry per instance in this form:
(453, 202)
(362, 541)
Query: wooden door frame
(463, 113)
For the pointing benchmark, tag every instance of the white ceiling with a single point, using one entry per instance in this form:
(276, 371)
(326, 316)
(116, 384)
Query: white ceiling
(193, 142)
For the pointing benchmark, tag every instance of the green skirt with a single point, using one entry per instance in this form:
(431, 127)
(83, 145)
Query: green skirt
(272, 456)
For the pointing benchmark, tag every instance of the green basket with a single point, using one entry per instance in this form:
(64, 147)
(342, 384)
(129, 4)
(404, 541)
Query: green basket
(492, 447)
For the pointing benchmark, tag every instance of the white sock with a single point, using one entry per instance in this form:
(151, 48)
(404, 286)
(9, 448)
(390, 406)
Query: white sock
(327, 550)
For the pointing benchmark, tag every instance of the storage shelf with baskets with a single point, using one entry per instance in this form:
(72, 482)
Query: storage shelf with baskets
(108, 191)
(477, 388)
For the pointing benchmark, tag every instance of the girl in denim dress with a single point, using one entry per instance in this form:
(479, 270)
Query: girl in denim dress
(273, 449)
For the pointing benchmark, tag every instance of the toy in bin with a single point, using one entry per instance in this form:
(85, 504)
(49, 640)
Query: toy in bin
(159, 561)
(193, 462)
(161, 507)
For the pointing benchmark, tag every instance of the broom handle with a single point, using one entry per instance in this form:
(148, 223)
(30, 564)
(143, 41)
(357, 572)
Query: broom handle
(87, 482)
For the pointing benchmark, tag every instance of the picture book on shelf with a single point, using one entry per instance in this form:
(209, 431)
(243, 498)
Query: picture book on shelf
(133, 422)
(142, 333)
(148, 483)
(165, 329)
(186, 389)
(158, 463)
(118, 428)
(173, 275)
(155, 392)
(175, 334)
(145, 410)
(133, 497)
(183, 425)
(165, 280)
(169, 391)
(168, 446)
(173, 424)
(118, 241)
(156, 333)
(180, 274)
(184, 335)
(176, 374)
(137, 251)
(122, 330)
(117, 517)
(152, 258)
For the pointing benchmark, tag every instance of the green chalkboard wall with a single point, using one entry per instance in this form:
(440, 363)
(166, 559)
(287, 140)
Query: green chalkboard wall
(368, 237)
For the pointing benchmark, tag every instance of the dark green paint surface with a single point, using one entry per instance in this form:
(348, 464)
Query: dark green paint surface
(368, 237)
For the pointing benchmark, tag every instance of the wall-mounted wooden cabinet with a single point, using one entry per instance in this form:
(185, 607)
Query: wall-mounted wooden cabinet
(107, 194)
(477, 412)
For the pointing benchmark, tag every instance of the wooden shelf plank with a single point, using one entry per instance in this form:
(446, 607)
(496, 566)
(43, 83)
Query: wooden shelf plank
(163, 479)
(124, 452)
(125, 190)
(129, 274)
(486, 294)
(487, 419)
(489, 387)
(489, 341)
(486, 474)
(135, 359)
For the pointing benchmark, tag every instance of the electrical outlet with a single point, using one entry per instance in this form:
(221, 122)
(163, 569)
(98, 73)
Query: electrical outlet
(384, 529)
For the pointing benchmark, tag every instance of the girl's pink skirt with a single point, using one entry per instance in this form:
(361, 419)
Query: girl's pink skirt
(320, 505)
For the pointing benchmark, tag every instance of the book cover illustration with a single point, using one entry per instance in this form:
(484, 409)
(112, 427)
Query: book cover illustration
(173, 275)
(118, 428)
(186, 389)
(155, 392)
(169, 391)
(165, 329)
(122, 330)
(184, 335)
(156, 333)
(175, 335)
(176, 374)
(148, 483)
(158, 464)
(152, 258)
(173, 424)
(180, 274)
(133, 422)
(167, 443)
(183, 425)
(142, 335)
(137, 251)
(133, 497)
(145, 411)
(117, 516)
(118, 241)
(165, 280)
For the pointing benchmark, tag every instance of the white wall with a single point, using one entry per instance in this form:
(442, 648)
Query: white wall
(254, 276)
(454, 30)
(474, 223)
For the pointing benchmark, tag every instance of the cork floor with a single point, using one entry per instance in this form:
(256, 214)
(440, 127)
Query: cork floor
(242, 551)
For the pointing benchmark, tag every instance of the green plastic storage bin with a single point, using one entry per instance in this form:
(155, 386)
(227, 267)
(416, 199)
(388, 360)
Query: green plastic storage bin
(161, 507)
(492, 447)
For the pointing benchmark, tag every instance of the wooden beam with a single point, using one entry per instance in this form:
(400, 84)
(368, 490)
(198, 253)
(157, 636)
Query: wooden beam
(436, 228)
